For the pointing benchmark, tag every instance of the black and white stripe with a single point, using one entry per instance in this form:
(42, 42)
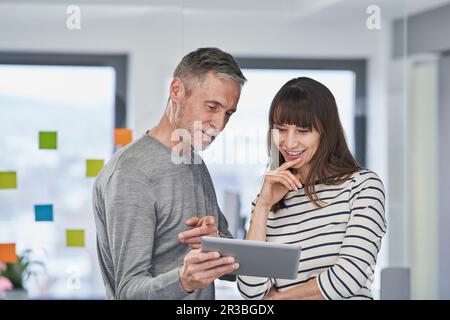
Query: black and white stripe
(340, 241)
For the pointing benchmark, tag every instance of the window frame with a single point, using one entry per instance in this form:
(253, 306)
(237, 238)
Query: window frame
(117, 61)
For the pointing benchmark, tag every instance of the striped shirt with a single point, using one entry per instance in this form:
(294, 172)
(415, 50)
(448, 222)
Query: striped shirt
(340, 241)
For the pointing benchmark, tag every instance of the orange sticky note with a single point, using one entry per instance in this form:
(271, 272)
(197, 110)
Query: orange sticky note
(8, 252)
(122, 137)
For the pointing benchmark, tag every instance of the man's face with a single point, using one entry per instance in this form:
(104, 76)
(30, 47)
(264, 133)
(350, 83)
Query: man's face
(205, 112)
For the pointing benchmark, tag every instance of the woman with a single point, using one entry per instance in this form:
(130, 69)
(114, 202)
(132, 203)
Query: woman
(319, 198)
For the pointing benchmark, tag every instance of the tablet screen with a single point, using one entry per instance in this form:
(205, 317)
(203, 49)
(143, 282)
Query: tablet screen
(258, 258)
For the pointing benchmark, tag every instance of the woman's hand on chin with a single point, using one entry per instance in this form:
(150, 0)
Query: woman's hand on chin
(277, 183)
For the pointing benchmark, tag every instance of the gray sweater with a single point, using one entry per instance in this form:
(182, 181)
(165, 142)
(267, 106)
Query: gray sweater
(141, 200)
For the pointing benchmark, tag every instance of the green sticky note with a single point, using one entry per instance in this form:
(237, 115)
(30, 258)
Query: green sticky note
(8, 180)
(93, 167)
(75, 238)
(48, 139)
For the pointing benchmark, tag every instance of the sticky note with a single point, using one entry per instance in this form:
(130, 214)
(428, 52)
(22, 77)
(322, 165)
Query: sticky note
(122, 137)
(8, 180)
(75, 238)
(8, 253)
(43, 212)
(93, 167)
(47, 139)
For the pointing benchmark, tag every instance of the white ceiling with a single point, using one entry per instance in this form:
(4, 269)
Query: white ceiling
(321, 9)
(198, 5)
(390, 9)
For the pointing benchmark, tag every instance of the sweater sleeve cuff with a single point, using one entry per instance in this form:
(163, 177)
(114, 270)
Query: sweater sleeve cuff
(173, 285)
(322, 286)
(253, 288)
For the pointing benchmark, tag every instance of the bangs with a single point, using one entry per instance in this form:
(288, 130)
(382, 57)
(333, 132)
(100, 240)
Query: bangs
(292, 107)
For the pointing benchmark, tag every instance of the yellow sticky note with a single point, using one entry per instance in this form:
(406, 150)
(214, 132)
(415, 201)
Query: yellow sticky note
(93, 167)
(8, 253)
(8, 180)
(75, 238)
(122, 136)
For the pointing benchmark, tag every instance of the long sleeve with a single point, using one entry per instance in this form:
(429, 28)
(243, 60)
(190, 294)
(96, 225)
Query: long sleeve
(361, 244)
(131, 222)
(253, 288)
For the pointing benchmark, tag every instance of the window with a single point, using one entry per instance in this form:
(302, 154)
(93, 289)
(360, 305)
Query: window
(238, 158)
(79, 102)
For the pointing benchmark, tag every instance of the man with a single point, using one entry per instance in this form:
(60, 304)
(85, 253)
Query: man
(145, 198)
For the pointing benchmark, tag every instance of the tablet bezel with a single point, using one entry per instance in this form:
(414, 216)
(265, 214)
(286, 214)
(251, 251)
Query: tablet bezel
(258, 258)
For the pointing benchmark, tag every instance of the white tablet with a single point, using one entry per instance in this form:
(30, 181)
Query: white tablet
(258, 258)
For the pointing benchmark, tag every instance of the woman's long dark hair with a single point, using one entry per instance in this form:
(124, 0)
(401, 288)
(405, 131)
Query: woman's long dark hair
(307, 103)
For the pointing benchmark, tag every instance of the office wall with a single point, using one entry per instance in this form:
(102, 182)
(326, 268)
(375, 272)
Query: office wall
(422, 35)
(422, 185)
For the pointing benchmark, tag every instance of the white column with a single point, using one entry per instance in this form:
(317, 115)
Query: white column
(422, 161)
(444, 177)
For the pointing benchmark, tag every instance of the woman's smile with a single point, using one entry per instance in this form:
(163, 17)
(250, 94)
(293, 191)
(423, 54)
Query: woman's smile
(292, 155)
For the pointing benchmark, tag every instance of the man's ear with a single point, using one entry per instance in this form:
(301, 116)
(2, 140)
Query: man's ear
(177, 89)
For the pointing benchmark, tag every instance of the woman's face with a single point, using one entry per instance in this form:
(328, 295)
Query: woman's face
(296, 142)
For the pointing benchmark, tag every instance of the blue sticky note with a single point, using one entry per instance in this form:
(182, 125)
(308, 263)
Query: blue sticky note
(43, 212)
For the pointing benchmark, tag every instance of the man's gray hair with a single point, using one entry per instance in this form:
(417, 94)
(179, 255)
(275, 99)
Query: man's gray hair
(197, 64)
